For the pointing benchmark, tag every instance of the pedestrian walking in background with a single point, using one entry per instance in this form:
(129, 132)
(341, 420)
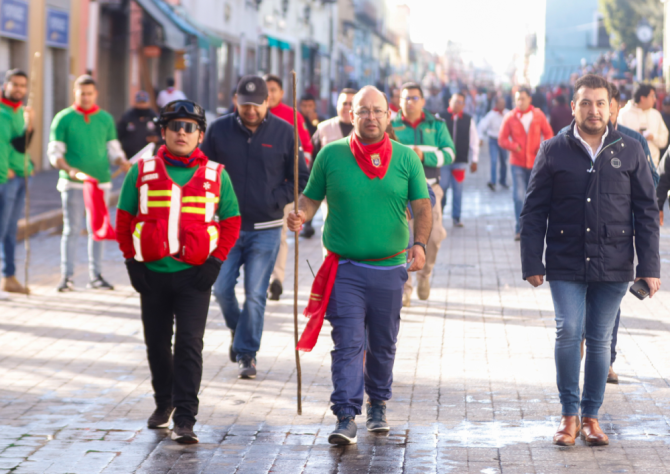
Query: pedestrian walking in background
(83, 146)
(522, 131)
(169, 94)
(394, 102)
(584, 189)
(283, 111)
(642, 116)
(256, 147)
(463, 131)
(665, 113)
(489, 130)
(307, 108)
(137, 128)
(429, 138)
(561, 114)
(368, 181)
(177, 220)
(16, 130)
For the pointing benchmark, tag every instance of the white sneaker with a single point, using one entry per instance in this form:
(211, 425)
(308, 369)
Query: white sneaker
(4, 296)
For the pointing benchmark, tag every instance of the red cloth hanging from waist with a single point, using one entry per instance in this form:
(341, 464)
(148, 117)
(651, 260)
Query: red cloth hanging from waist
(458, 174)
(98, 213)
(320, 297)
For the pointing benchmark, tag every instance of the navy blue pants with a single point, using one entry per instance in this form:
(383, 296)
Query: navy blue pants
(364, 312)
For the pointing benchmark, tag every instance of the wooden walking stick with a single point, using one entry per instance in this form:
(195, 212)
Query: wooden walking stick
(26, 175)
(297, 236)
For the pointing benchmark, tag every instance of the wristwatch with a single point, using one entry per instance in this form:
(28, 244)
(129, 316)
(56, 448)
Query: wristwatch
(423, 246)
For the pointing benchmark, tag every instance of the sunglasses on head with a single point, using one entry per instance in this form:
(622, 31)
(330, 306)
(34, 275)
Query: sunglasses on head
(187, 105)
(176, 125)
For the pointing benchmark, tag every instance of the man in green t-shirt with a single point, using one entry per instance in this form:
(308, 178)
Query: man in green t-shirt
(16, 125)
(177, 220)
(368, 180)
(83, 145)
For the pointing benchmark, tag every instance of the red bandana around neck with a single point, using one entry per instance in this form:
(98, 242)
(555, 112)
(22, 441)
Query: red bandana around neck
(453, 115)
(86, 113)
(520, 114)
(416, 122)
(196, 158)
(11, 103)
(394, 108)
(373, 159)
(498, 110)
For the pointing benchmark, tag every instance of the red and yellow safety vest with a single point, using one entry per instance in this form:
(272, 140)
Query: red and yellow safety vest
(173, 220)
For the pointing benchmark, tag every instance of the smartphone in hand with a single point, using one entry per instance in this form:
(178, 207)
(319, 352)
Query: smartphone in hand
(640, 289)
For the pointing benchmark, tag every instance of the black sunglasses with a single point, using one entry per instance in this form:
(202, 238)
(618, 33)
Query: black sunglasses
(176, 125)
(187, 105)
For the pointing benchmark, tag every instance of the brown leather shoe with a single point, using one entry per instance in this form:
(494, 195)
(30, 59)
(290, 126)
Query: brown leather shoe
(612, 376)
(567, 431)
(592, 434)
(12, 285)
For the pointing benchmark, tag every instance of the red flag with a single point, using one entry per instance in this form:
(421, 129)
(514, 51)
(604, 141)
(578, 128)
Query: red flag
(94, 201)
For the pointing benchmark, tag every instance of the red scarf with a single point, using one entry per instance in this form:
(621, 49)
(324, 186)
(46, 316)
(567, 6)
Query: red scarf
(520, 114)
(453, 115)
(416, 122)
(196, 158)
(11, 103)
(373, 159)
(320, 297)
(394, 108)
(498, 110)
(86, 113)
(95, 204)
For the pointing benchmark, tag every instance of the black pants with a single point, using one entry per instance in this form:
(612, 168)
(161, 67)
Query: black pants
(176, 380)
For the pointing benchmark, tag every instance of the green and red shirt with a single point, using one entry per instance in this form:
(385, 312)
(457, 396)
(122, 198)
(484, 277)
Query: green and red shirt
(16, 128)
(366, 217)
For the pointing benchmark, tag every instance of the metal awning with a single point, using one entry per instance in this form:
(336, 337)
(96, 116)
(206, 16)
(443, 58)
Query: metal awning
(175, 38)
(183, 24)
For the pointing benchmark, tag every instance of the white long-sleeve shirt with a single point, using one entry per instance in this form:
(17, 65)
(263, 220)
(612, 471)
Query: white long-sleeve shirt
(648, 121)
(489, 126)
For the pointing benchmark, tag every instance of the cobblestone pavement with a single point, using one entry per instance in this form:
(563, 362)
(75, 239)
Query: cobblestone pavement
(474, 387)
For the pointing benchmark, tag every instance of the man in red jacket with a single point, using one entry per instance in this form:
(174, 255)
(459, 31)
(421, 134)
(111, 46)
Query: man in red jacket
(283, 111)
(522, 131)
(177, 219)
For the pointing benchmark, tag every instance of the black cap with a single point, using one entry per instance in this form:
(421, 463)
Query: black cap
(252, 90)
(666, 100)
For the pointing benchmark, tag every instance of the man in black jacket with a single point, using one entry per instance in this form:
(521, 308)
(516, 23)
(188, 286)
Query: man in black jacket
(584, 188)
(256, 148)
(137, 128)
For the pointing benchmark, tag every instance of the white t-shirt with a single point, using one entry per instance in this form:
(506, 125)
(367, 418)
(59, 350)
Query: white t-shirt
(526, 120)
(165, 97)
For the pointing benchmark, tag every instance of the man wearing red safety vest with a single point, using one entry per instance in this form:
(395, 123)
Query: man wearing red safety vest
(177, 220)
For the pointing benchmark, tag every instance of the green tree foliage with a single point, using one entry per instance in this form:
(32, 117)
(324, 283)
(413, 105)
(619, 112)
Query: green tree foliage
(623, 16)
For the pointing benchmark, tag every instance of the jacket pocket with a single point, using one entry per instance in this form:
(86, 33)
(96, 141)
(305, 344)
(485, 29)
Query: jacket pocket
(565, 248)
(615, 187)
(618, 231)
(618, 251)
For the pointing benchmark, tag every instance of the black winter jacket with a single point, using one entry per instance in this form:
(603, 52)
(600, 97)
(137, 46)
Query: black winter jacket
(585, 211)
(260, 166)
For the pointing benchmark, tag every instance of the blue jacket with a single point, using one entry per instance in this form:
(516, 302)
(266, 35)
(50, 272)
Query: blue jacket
(585, 212)
(637, 136)
(260, 166)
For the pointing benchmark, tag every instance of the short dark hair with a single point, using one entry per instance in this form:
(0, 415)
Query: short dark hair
(592, 81)
(615, 93)
(307, 97)
(14, 73)
(85, 80)
(461, 93)
(560, 99)
(348, 90)
(412, 85)
(525, 90)
(169, 81)
(274, 78)
(642, 90)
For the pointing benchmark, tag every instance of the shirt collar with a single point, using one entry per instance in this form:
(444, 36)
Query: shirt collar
(587, 146)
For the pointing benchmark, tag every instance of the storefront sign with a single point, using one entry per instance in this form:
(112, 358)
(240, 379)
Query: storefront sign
(14, 19)
(58, 25)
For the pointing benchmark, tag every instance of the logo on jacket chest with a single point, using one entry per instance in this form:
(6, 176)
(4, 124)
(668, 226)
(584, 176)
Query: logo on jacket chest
(206, 185)
(616, 162)
(376, 160)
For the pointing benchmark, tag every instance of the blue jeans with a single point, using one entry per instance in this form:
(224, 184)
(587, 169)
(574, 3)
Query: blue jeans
(14, 200)
(498, 154)
(257, 251)
(364, 312)
(73, 223)
(447, 181)
(589, 309)
(520, 178)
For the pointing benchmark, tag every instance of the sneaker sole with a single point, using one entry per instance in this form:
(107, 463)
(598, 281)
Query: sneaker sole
(246, 376)
(184, 439)
(341, 440)
(164, 425)
(380, 429)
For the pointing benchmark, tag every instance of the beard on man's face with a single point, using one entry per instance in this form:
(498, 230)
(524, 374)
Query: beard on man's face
(593, 128)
